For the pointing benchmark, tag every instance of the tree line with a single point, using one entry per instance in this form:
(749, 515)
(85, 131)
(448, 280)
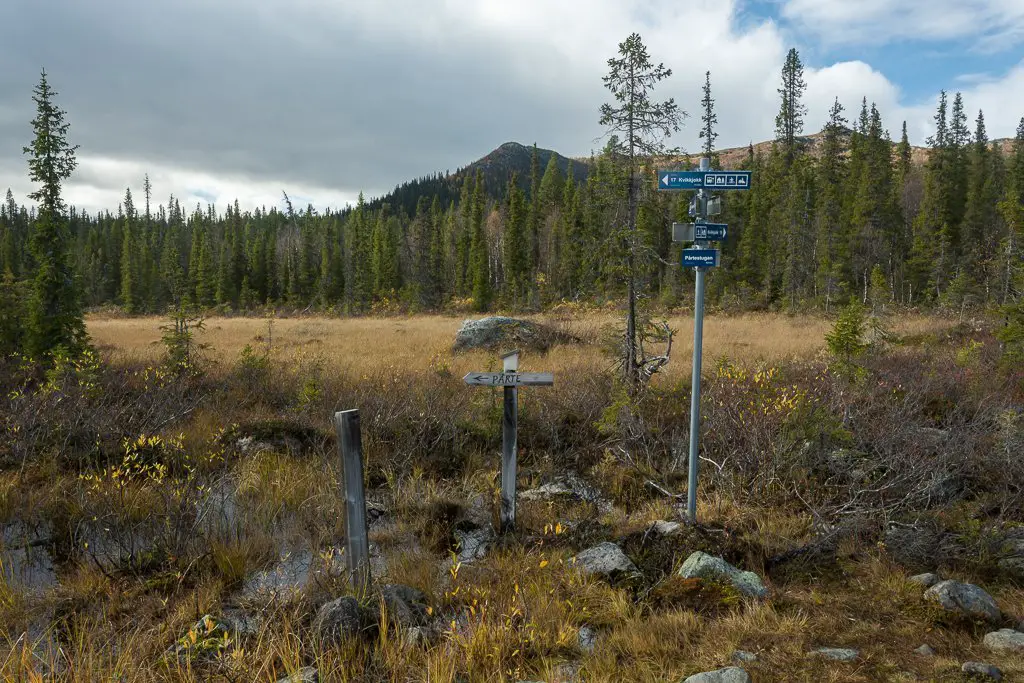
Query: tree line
(846, 214)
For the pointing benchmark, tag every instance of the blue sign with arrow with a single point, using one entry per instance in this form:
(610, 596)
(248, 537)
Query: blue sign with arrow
(709, 231)
(697, 180)
(700, 258)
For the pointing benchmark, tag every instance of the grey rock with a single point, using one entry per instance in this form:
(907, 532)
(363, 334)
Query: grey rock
(569, 485)
(925, 651)
(405, 605)
(1012, 566)
(703, 566)
(1005, 640)
(965, 599)
(306, 674)
(241, 624)
(416, 637)
(927, 580)
(547, 491)
(504, 333)
(732, 674)
(1011, 560)
(340, 619)
(836, 654)
(607, 560)
(743, 657)
(667, 528)
(915, 548)
(982, 669)
(474, 543)
(587, 638)
(1020, 626)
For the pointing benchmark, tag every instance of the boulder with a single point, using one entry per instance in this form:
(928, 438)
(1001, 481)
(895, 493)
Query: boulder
(982, 669)
(836, 654)
(405, 605)
(1005, 640)
(667, 528)
(547, 491)
(732, 674)
(703, 566)
(1011, 561)
(964, 599)
(925, 651)
(417, 637)
(306, 674)
(606, 560)
(500, 333)
(587, 638)
(915, 548)
(473, 543)
(341, 618)
(927, 580)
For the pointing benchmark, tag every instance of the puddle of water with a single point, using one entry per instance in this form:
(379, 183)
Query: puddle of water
(25, 557)
(295, 570)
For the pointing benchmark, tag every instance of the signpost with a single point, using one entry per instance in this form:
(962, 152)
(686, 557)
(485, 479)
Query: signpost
(699, 232)
(704, 178)
(510, 378)
(700, 257)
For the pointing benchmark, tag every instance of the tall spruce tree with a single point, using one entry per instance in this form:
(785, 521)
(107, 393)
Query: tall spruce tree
(829, 246)
(646, 124)
(708, 119)
(479, 250)
(55, 313)
(515, 245)
(789, 122)
(129, 257)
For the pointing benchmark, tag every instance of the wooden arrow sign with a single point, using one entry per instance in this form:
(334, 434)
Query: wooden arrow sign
(510, 379)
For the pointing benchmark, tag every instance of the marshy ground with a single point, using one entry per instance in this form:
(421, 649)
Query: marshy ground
(136, 498)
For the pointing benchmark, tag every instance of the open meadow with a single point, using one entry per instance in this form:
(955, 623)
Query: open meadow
(361, 344)
(184, 522)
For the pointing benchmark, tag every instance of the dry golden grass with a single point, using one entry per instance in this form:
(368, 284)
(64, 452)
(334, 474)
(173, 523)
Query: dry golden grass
(369, 344)
(516, 613)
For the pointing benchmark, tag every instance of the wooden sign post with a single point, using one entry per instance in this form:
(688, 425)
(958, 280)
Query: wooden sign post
(511, 379)
(350, 446)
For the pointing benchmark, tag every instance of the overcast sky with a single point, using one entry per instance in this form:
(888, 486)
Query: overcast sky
(225, 99)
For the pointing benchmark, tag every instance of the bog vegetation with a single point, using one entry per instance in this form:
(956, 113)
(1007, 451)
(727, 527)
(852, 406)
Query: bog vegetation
(169, 501)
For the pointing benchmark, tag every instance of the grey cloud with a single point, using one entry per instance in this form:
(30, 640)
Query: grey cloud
(223, 90)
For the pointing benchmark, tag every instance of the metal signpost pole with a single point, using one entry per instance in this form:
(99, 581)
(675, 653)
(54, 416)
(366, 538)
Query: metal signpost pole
(700, 257)
(698, 339)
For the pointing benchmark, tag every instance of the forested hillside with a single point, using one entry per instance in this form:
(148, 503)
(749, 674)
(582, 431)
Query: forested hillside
(846, 212)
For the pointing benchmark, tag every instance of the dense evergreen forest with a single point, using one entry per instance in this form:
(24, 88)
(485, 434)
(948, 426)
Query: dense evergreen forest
(845, 213)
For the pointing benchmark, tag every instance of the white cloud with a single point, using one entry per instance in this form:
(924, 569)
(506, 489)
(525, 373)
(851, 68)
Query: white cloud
(99, 183)
(995, 23)
(326, 97)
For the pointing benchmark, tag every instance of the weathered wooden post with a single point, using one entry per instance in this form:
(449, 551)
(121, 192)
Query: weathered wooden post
(509, 444)
(350, 446)
(510, 378)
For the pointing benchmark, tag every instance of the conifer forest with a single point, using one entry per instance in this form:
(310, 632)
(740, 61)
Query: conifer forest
(847, 212)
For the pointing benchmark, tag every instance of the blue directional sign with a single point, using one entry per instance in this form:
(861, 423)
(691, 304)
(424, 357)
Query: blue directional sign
(709, 180)
(680, 180)
(696, 232)
(709, 231)
(700, 258)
